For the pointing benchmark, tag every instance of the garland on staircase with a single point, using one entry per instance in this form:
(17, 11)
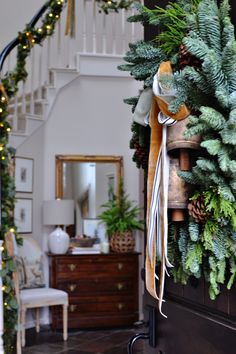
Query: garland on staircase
(108, 6)
(198, 38)
(8, 87)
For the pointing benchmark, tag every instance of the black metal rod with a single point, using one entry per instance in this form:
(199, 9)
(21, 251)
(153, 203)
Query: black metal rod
(133, 340)
(10, 46)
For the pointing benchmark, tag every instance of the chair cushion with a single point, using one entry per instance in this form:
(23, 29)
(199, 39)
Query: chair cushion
(43, 297)
(20, 271)
(33, 273)
(30, 272)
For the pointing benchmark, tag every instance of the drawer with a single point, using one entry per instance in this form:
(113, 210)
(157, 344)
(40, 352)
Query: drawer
(98, 286)
(120, 305)
(93, 268)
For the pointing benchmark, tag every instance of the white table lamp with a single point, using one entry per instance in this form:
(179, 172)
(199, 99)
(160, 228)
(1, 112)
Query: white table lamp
(58, 212)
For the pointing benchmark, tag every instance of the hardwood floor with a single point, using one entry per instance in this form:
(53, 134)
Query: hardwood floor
(103, 341)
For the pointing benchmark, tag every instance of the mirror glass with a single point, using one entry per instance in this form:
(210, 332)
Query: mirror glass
(90, 181)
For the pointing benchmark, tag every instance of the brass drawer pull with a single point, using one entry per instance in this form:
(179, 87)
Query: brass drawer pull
(120, 306)
(72, 287)
(71, 266)
(72, 308)
(120, 266)
(120, 286)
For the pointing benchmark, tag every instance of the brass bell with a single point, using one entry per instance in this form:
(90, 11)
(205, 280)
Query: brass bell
(178, 189)
(176, 139)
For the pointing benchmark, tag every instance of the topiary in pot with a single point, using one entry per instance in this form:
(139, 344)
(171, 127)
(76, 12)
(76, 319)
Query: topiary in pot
(121, 219)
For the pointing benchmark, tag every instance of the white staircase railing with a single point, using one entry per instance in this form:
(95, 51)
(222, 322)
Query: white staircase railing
(95, 34)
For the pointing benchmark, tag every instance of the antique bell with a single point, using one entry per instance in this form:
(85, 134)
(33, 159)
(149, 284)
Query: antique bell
(179, 152)
(176, 139)
(178, 192)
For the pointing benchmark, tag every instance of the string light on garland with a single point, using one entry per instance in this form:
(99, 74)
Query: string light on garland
(8, 87)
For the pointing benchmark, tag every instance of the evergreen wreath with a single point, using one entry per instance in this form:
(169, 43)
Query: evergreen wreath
(203, 56)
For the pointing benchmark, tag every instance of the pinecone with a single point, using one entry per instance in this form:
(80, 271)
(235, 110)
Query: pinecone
(197, 209)
(141, 152)
(185, 58)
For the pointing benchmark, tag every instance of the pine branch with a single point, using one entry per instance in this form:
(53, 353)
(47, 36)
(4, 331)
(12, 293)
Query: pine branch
(213, 146)
(194, 230)
(196, 45)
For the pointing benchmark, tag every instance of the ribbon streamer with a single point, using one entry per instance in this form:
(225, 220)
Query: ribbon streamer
(3, 91)
(70, 19)
(157, 183)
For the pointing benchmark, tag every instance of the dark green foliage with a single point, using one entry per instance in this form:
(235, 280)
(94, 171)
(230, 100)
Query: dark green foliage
(209, 91)
(132, 101)
(173, 22)
(140, 141)
(143, 60)
(208, 87)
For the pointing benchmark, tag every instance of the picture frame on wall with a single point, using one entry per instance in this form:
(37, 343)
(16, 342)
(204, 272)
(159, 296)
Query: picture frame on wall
(23, 215)
(24, 174)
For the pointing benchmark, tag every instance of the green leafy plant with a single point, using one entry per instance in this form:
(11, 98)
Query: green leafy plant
(120, 214)
(173, 21)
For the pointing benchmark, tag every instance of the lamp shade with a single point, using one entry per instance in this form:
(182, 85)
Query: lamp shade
(58, 212)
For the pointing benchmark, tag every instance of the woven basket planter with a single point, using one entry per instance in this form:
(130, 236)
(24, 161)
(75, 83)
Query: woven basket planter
(122, 242)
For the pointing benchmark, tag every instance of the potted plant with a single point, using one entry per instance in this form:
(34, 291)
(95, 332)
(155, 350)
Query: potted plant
(121, 219)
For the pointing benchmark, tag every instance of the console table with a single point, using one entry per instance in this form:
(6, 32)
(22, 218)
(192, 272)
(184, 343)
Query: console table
(102, 288)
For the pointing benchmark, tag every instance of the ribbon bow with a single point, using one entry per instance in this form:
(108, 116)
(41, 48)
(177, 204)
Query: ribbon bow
(157, 184)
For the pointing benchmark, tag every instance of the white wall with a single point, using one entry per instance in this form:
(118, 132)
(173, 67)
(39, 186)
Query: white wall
(88, 118)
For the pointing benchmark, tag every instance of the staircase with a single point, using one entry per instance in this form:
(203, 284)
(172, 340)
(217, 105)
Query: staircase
(99, 44)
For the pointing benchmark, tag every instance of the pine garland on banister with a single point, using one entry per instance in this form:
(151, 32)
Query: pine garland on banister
(8, 87)
(203, 57)
(108, 6)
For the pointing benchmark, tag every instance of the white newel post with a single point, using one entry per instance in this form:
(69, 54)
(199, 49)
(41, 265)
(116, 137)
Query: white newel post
(1, 304)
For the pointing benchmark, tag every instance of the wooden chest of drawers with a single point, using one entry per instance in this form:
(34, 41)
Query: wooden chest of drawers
(102, 288)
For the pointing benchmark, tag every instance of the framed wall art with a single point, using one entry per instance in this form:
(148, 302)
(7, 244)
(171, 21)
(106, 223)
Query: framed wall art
(24, 174)
(23, 215)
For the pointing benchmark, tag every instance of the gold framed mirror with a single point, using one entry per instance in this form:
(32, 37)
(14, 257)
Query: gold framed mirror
(90, 180)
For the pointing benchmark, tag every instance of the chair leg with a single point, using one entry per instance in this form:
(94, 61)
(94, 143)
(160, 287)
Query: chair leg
(65, 322)
(23, 313)
(18, 342)
(18, 334)
(37, 323)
